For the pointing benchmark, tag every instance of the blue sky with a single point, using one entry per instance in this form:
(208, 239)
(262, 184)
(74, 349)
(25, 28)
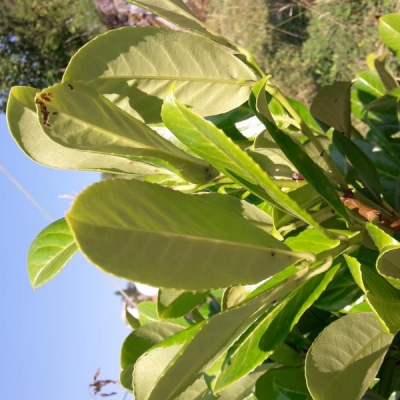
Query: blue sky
(53, 339)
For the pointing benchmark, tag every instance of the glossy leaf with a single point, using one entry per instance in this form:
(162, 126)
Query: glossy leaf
(382, 297)
(212, 145)
(138, 342)
(270, 330)
(28, 133)
(293, 151)
(135, 66)
(345, 357)
(389, 29)
(179, 14)
(120, 232)
(51, 250)
(332, 106)
(80, 118)
(173, 303)
(180, 366)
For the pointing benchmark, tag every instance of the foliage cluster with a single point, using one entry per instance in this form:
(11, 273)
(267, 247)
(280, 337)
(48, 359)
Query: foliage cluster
(37, 39)
(229, 184)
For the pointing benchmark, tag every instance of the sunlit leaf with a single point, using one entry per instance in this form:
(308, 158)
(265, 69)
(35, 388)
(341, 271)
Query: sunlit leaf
(120, 231)
(181, 365)
(27, 131)
(345, 357)
(382, 297)
(389, 29)
(179, 14)
(52, 248)
(135, 66)
(270, 330)
(80, 118)
(294, 152)
(389, 249)
(212, 145)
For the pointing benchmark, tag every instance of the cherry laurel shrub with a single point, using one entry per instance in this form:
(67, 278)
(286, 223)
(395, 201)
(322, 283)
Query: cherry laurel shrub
(269, 228)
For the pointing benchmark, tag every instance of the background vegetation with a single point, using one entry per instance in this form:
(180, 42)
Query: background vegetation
(304, 44)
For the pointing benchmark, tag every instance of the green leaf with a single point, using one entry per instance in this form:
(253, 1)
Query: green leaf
(381, 239)
(82, 119)
(135, 66)
(27, 132)
(389, 249)
(132, 321)
(386, 77)
(332, 106)
(270, 330)
(233, 296)
(389, 29)
(311, 240)
(345, 357)
(172, 303)
(287, 356)
(358, 160)
(382, 297)
(145, 337)
(181, 365)
(148, 314)
(52, 248)
(119, 223)
(179, 14)
(212, 145)
(283, 384)
(140, 341)
(244, 386)
(294, 152)
(341, 292)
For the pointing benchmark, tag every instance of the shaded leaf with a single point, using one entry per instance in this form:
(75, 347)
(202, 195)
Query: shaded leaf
(135, 66)
(358, 160)
(332, 106)
(51, 250)
(283, 384)
(345, 357)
